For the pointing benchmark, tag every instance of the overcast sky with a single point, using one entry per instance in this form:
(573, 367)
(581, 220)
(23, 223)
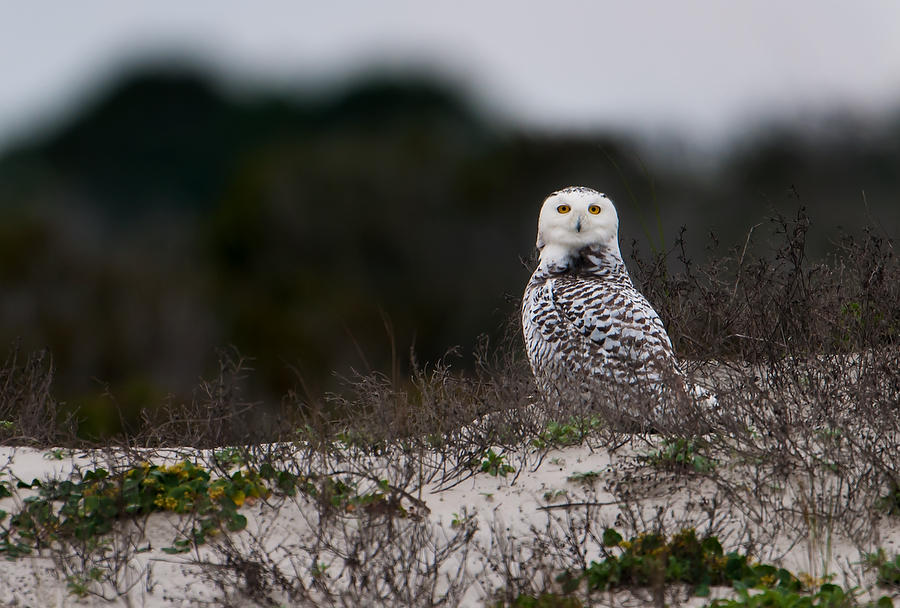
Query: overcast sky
(699, 69)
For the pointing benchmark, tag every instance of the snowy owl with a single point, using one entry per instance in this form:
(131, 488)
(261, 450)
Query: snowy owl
(592, 338)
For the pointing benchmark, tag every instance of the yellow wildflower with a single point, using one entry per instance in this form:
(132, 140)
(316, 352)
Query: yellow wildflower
(809, 581)
(166, 502)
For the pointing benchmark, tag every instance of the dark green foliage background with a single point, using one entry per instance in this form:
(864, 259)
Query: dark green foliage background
(322, 233)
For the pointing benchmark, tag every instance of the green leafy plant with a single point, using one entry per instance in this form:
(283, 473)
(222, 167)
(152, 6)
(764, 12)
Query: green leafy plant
(888, 569)
(460, 520)
(571, 432)
(611, 538)
(587, 478)
(827, 596)
(319, 570)
(681, 454)
(79, 585)
(88, 507)
(544, 600)
(56, 454)
(229, 458)
(342, 493)
(552, 495)
(890, 502)
(652, 559)
(495, 464)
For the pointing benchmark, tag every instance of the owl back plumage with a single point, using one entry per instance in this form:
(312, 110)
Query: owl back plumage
(591, 337)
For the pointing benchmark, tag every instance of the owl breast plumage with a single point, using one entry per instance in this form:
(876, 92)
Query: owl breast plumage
(590, 335)
(587, 323)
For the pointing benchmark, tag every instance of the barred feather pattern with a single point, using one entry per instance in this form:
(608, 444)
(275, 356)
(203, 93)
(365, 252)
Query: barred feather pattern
(588, 330)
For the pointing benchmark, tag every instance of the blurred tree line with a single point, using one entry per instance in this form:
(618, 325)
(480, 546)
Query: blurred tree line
(324, 234)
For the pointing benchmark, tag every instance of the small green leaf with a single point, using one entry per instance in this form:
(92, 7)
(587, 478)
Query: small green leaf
(96, 474)
(237, 522)
(611, 538)
(91, 503)
(108, 508)
(569, 583)
(712, 545)
(180, 546)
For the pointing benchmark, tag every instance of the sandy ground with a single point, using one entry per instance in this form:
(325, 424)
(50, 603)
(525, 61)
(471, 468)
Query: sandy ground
(503, 508)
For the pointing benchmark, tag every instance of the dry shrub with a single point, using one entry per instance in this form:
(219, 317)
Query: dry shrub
(761, 308)
(28, 412)
(802, 357)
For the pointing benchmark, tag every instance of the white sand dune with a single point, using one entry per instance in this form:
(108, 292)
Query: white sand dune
(545, 493)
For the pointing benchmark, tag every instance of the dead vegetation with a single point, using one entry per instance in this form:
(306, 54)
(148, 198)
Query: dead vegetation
(799, 465)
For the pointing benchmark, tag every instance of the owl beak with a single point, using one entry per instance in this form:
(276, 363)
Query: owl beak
(578, 224)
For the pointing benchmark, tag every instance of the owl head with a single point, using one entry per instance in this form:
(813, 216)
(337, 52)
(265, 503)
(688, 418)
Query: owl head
(574, 218)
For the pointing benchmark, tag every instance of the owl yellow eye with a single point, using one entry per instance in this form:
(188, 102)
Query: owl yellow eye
(594, 209)
(563, 208)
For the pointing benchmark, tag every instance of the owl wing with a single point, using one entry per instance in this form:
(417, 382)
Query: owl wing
(613, 328)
